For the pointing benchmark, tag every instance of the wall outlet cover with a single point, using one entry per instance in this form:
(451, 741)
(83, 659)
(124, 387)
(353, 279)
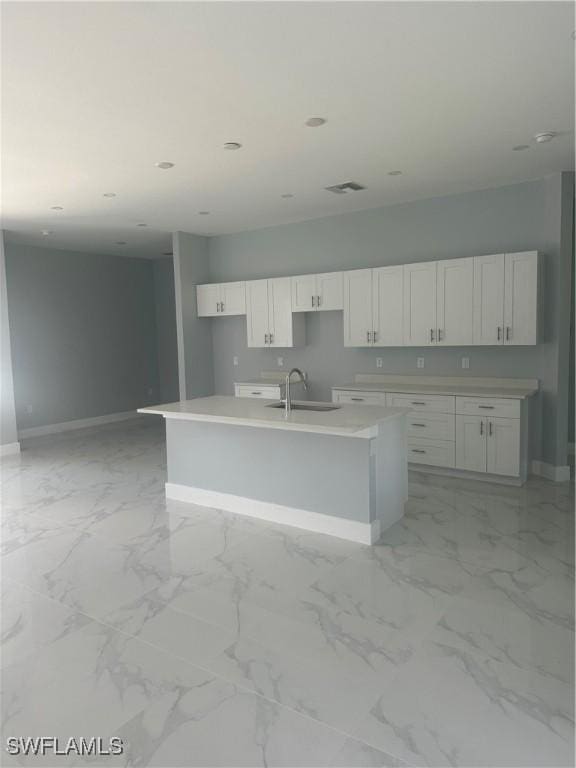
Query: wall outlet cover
(419, 362)
(235, 360)
(465, 362)
(378, 362)
(280, 361)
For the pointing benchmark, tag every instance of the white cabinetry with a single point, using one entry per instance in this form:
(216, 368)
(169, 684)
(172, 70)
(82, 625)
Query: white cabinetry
(317, 293)
(420, 304)
(358, 314)
(506, 298)
(489, 443)
(373, 307)
(221, 299)
(269, 318)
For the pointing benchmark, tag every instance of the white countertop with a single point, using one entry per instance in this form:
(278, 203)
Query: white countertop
(439, 388)
(348, 421)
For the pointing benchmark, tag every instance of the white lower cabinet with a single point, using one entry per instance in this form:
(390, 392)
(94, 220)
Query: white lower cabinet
(488, 444)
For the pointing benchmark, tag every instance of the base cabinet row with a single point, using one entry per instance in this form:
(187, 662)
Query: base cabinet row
(454, 432)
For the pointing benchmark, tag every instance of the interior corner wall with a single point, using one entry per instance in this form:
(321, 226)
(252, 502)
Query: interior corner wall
(166, 339)
(517, 217)
(194, 335)
(8, 429)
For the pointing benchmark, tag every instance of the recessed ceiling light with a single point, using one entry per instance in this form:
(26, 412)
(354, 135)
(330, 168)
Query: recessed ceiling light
(121, 242)
(315, 122)
(109, 194)
(46, 232)
(394, 173)
(142, 225)
(287, 195)
(544, 137)
(232, 145)
(204, 213)
(164, 164)
(56, 208)
(520, 147)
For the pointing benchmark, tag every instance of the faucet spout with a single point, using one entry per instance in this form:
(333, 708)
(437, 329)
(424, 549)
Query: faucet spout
(288, 400)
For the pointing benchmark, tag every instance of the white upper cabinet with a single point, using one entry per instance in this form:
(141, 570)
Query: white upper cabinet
(387, 302)
(420, 304)
(521, 298)
(269, 318)
(221, 299)
(358, 315)
(317, 293)
(454, 296)
(489, 299)
(506, 299)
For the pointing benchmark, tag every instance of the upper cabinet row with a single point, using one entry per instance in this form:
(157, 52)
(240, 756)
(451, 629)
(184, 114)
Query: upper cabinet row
(481, 300)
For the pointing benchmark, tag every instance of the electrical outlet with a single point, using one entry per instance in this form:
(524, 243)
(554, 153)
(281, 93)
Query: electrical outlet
(419, 362)
(378, 362)
(29, 408)
(465, 362)
(280, 361)
(235, 359)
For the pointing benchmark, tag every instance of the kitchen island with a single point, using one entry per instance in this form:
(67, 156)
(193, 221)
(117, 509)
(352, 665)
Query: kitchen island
(341, 471)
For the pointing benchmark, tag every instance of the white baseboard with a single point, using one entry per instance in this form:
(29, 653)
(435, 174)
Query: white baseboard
(9, 449)
(65, 426)
(351, 530)
(558, 474)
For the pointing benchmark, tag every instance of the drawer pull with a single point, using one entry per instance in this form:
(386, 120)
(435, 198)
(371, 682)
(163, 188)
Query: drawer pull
(417, 402)
(357, 399)
(418, 450)
(487, 407)
(255, 393)
(418, 425)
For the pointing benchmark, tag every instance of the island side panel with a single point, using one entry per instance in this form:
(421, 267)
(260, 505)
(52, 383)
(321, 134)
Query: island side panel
(389, 474)
(325, 474)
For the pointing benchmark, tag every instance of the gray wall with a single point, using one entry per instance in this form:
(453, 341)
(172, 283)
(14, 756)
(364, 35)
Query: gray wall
(167, 347)
(83, 334)
(8, 432)
(195, 362)
(514, 218)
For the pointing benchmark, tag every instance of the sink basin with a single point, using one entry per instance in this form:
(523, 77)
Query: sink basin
(307, 406)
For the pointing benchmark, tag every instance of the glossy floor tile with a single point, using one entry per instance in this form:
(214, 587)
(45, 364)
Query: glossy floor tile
(201, 638)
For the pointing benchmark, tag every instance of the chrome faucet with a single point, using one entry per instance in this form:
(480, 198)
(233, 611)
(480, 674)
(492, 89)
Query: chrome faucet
(287, 400)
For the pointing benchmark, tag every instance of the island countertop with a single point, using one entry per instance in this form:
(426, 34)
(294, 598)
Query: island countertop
(348, 420)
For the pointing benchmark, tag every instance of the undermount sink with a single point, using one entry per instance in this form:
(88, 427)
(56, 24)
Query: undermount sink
(307, 406)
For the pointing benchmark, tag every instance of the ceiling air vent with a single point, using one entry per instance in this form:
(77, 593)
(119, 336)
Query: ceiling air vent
(341, 189)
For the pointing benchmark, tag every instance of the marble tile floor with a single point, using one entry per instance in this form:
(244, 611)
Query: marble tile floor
(200, 638)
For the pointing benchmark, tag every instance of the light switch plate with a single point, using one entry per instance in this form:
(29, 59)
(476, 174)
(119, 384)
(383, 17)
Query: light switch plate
(280, 361)
(378, 362)
(419, 362)
(465, 362)
(235, 360)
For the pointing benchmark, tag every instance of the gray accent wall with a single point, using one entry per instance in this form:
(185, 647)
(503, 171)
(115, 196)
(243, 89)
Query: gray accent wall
(8, 430)
(166, 341)
(519, 217)
(83, 334)
(195, 359)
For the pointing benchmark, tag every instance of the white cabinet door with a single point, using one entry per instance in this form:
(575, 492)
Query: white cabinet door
(257, 313)
(454, 285)
(280, 312)
(503, 448)
(330, 292)
(208, 300)
(388, 299)
(304, 293)
(420, 304)
(489, 299)
(471, 443)
(520, 298)
(233, 298)
(358, 321)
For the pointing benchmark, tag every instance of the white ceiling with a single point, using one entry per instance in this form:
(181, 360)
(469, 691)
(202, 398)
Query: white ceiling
(95, 93)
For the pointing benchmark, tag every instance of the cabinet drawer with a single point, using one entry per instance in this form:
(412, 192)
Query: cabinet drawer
(359, 398)
(246, 390)
(436, 403)
(438, 453)
(435, 426)
(488, 406)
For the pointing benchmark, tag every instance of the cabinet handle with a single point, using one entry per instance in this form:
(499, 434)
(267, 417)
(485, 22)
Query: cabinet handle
(417, 402)
(490, 428)
(217, 306)
(313, 300)
(418, 425)
(373, 337)
(318, 301)
(481, 427)
(368, 336)
(439, 334)
(357, 399)
(487, 407)
(265, 338)
(431, 334)
(499, 334)
(418, 450)
(221, 306)
(508, 334)
(255, 393)
(271, 337)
